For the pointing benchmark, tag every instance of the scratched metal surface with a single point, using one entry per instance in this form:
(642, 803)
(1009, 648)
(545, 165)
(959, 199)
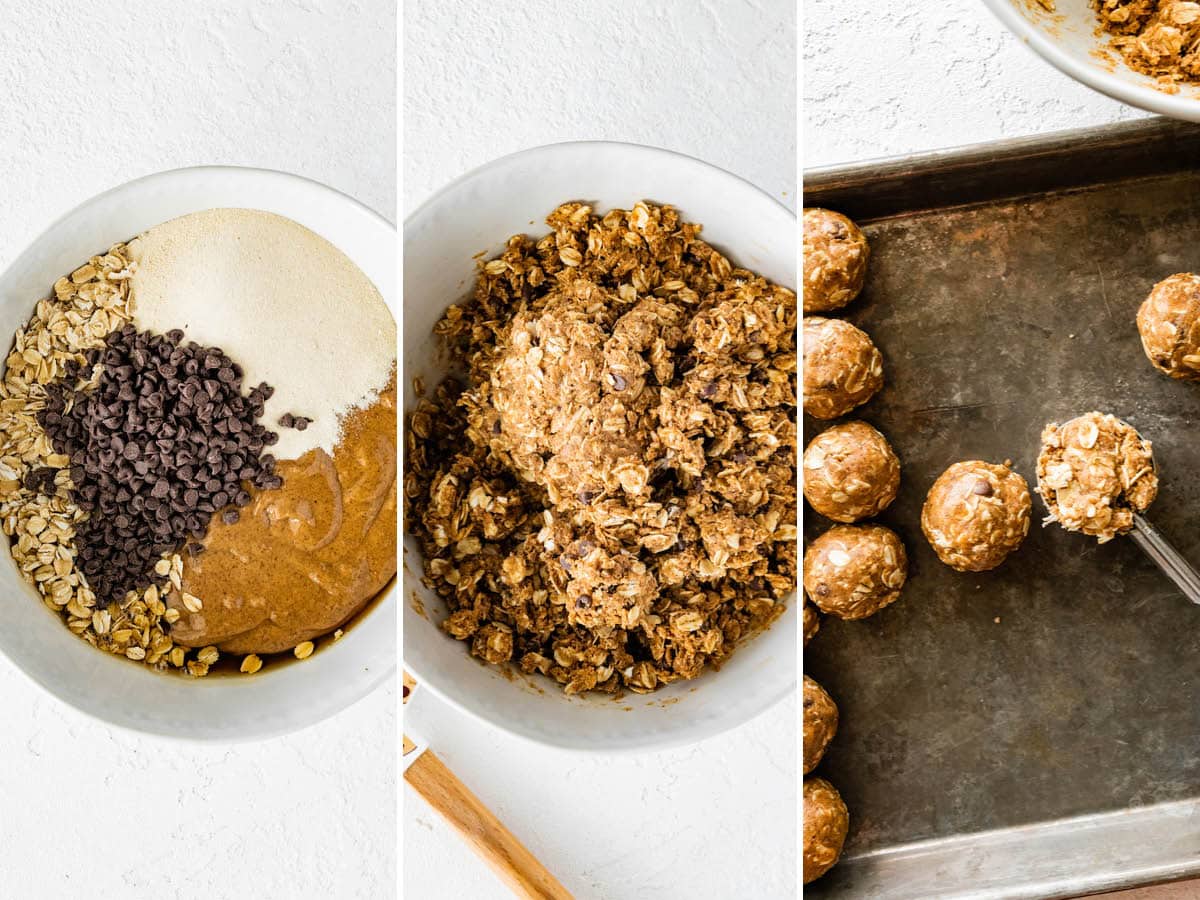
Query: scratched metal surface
(1067, 682)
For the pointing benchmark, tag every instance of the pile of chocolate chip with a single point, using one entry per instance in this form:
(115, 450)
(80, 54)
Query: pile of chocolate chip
(164, 441)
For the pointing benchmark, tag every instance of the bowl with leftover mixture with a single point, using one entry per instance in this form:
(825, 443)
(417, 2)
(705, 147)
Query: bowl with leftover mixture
(460, 234)
(1140, 53)
(289, 692)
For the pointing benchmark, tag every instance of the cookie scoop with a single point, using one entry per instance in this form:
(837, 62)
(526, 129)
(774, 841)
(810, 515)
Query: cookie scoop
(1096, 475)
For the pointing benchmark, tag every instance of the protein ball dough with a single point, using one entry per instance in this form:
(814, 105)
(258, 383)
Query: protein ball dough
(842, 367)
(1169, 323)
(820, 723)
(976, 514)
(835, 260)
(1094, 473)
(853, 571)
(812, 622)
(826, 821)
(850, 472)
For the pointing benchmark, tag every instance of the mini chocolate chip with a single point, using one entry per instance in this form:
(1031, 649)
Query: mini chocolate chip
(583, 601)
(982, 488)
(133, 442)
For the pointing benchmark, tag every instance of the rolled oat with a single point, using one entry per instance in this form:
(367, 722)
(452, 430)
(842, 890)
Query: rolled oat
(610, 499)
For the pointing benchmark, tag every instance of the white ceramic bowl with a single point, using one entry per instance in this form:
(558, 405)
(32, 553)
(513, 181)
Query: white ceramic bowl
(276, 700)
(478, 212)
(1067, 39)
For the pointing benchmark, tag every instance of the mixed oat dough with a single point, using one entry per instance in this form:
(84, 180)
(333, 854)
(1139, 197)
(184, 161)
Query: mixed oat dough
(976, 514)
(850, 472)
(820, 723)
(608, 496)
(826, 821)
(1169, 324)
(835, 260)
(1159, 38)
(1095, 473)
(853, 571)
(842, 367)
(156, 489)
(812, 622)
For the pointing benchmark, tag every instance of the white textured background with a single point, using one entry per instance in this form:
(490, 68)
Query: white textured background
(887, 77)
(93, 94)
(714, 79)
(711, 78)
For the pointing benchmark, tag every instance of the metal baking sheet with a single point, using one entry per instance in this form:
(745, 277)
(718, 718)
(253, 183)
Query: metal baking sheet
(1033, 731)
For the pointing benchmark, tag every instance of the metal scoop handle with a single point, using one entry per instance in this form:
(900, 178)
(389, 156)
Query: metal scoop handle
(1174, 566)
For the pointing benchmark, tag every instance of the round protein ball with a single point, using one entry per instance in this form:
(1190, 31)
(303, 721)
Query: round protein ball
(850, 472)
(812, 622)
(853, 571)
(826, 821)
(820, 723)
(976, 514)
(1094, 473)
(835, 260)
(1169, 323)
(842, 367)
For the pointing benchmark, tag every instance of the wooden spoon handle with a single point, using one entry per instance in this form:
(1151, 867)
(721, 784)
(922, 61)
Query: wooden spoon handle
(498, 847)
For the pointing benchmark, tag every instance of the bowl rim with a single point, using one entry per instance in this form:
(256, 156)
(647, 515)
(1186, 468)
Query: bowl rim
(556, 146)
(1137, 95)
(680, 737)
(369, 684)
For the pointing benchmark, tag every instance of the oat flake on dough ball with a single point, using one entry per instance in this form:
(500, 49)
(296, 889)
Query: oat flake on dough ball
(976, 514)
(826, 821)
(1169, 323)
(853, 571)
(835, 260)
(820, 723)
(850, 472)
(842, 367)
